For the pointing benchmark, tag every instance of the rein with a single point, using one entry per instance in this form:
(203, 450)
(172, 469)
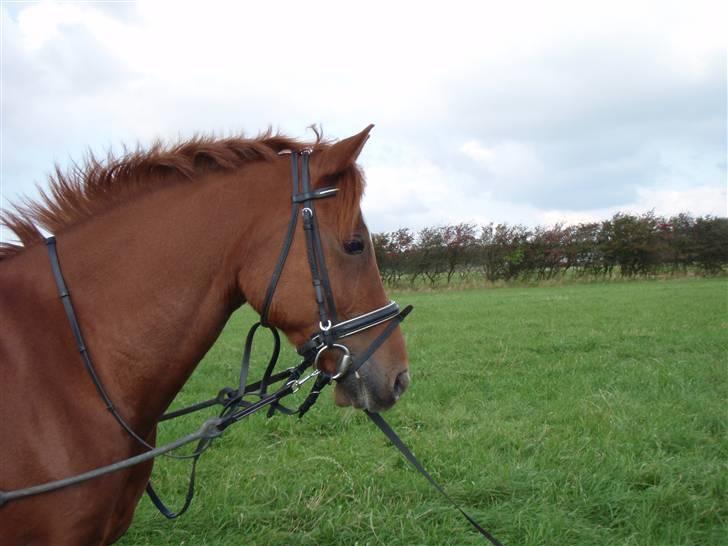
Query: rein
(234, 406)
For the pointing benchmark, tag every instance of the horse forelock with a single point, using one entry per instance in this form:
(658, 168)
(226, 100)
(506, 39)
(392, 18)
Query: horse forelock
(351, 190)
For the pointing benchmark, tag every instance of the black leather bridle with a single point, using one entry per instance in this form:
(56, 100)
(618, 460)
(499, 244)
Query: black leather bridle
(330, 330)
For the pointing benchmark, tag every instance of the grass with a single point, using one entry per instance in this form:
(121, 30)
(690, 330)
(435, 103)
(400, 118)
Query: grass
(583, 414)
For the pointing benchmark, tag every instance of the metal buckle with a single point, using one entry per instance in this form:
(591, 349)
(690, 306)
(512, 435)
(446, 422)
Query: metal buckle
(344, 363)
(296, 383)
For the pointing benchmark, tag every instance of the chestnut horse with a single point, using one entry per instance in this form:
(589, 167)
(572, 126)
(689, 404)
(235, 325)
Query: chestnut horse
(158, 248)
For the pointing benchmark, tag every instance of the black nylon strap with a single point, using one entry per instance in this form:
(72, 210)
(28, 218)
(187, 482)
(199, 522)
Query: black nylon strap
(235, 409)
(208, 430)
(378, 420)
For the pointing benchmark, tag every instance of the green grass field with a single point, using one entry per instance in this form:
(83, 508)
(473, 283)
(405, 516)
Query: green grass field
(584, 414)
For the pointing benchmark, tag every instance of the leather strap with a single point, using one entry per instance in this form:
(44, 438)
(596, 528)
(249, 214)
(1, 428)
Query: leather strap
(315, 194)
(378, 420)
(65, 296)
(349, 327)
(362, 358)
(159, 503)
(83, 351)
(286, 247)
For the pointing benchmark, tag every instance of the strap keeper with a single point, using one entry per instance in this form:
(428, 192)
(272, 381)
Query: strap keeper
(321, 193)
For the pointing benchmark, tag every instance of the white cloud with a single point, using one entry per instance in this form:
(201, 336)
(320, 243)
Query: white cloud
(509, 162)
(40, 23)
(699, 200)
(516, 111)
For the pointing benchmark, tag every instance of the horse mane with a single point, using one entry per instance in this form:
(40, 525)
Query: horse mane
(97, 185)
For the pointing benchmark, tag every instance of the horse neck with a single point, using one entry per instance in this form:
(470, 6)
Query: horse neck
(154, 282)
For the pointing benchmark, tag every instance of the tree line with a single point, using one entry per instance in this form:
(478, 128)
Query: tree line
(626, 245)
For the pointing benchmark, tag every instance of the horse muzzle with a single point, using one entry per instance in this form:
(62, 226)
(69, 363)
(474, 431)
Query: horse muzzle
(371, 389)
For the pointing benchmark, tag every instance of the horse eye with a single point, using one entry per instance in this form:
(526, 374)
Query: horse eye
(355, 246)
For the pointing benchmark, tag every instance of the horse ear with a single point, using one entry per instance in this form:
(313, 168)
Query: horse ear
(341, 155)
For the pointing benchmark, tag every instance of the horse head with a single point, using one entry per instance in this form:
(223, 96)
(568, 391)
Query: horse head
(338, 250)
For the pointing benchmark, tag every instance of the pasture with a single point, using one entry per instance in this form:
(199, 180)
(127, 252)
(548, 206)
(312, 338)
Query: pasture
(588, 414)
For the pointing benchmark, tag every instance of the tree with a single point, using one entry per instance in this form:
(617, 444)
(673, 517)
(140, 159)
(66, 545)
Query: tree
(630, 241)
(500, 251)
(429, 256)
(710, 235)
(638, 244)
(459, 241)
(394, 254)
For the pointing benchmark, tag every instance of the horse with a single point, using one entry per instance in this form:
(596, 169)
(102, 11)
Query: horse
(158, 248)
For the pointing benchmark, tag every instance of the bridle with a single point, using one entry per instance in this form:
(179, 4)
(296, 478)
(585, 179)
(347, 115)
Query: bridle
(330, 330)
(235, 408)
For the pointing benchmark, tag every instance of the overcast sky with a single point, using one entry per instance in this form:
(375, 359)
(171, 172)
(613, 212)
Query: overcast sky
(485, 111)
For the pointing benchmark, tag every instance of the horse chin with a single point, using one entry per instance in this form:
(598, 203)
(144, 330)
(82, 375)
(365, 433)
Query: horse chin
(360, 393)
(351, 393)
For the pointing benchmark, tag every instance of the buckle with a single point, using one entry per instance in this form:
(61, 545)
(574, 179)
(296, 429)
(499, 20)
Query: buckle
(295, 384)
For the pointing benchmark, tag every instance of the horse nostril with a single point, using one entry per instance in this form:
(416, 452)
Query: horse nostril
(401, 382)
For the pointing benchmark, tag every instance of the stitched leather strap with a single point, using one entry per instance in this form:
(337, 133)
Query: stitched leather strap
(315, 252)
(83, 351)
(361, 359)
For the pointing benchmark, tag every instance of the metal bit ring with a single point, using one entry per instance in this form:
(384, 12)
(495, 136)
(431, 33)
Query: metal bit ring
(344, 363)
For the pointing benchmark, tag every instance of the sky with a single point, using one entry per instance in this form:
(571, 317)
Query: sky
(517, 112)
